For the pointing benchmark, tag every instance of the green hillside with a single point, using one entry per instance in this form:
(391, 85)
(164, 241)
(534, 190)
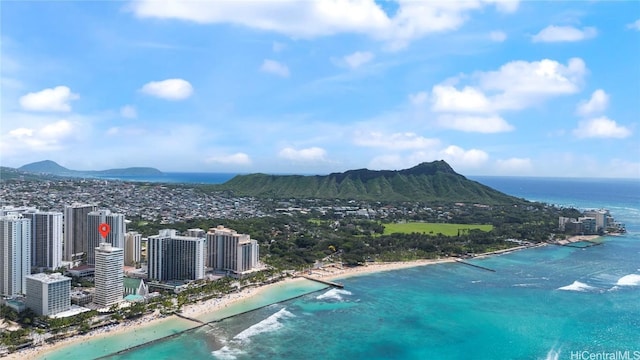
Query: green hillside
(435, 181)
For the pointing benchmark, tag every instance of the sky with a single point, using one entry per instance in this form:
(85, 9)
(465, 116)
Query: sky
(493, 87)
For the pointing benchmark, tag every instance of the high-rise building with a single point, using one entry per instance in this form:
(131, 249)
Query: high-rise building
(48, 294)
(173, 257)
(231, 252)
(94, 238)
(132, 248)
(109, 275)
(46, 239)
(15, 254)
(75, 230)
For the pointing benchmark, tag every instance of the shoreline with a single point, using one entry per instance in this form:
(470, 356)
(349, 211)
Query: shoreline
(331, 272)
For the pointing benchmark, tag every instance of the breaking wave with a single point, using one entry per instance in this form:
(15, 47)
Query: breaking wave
(629, 280)
(333, 294)
(577, 286)
(232, 348)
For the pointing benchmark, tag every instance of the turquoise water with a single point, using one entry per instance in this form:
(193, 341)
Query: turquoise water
(543, 303)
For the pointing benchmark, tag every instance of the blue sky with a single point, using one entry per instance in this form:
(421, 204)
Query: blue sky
(493, 87)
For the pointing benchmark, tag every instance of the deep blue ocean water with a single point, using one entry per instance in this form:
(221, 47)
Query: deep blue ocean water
(545, 303)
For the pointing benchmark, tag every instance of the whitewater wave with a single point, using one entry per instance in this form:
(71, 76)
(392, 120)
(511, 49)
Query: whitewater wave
(629, 280)
(577, 286)
(334, 294)
(232, 348)
(553, 355)
(227, 353)
(267, 325)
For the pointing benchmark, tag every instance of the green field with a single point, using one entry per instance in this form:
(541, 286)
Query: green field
(431, 228)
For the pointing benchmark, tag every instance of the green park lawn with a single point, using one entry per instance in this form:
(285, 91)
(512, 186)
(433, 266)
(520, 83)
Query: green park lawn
(431, 228)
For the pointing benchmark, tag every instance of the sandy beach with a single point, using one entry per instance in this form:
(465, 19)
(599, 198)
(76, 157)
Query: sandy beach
(330, 272)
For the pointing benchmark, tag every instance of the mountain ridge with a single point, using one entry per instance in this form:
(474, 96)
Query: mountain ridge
(428, 181)
(51, 167)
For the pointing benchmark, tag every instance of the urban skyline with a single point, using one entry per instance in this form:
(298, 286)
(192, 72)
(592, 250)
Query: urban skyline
(494, 88)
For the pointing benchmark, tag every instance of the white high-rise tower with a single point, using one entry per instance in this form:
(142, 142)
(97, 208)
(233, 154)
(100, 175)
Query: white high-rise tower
(109, 275)
(15, 254)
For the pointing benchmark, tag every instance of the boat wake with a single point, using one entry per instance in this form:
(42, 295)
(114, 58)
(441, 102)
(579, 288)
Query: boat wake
(334, 294)
(577, 286)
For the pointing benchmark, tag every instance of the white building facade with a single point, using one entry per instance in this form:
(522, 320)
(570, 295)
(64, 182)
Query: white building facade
(109, 275)
(231, 252)
(132, 248)
(15, 254)
(48, 294)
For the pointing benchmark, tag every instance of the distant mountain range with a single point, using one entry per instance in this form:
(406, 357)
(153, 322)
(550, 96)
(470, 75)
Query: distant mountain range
(53, 168)
(430, 181)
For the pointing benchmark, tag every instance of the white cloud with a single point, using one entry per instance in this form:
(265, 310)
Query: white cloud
(55, 99)
(358, 59)
(460, 157)
(597, 104)
(520, 84)
(20, 132)
(448, 98)
(129, 112)
(498, 36)
(233, 159)
(515, 86)
(554, 33)
(514, 166)
(479, 124)
(634, 25)
(46, 137)
(170, 89)
(274, 67)
(601, 127)
(309, 19)
(308, 154)
(396, 141)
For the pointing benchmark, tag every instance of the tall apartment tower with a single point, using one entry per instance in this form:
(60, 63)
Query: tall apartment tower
(115, 236)
(231, 252)
(46, 239)
(132, 248)
(15, 254)
(173, 257)
(75, 230)
(48, 294)
(109, 275)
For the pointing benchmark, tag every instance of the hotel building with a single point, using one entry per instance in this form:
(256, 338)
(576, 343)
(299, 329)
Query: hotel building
(115, 236)
(231, 252)
(15, 254)
(132, 248)
(75, 230)
(172, 257)
(48, 294)
(46, 239)
(109, 276)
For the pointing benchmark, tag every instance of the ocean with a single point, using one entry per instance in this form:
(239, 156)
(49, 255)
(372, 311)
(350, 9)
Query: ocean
(550, 302)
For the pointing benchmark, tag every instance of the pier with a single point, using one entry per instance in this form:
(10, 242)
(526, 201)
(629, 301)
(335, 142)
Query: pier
(572, 244)
(474, 265)
(326, 282)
